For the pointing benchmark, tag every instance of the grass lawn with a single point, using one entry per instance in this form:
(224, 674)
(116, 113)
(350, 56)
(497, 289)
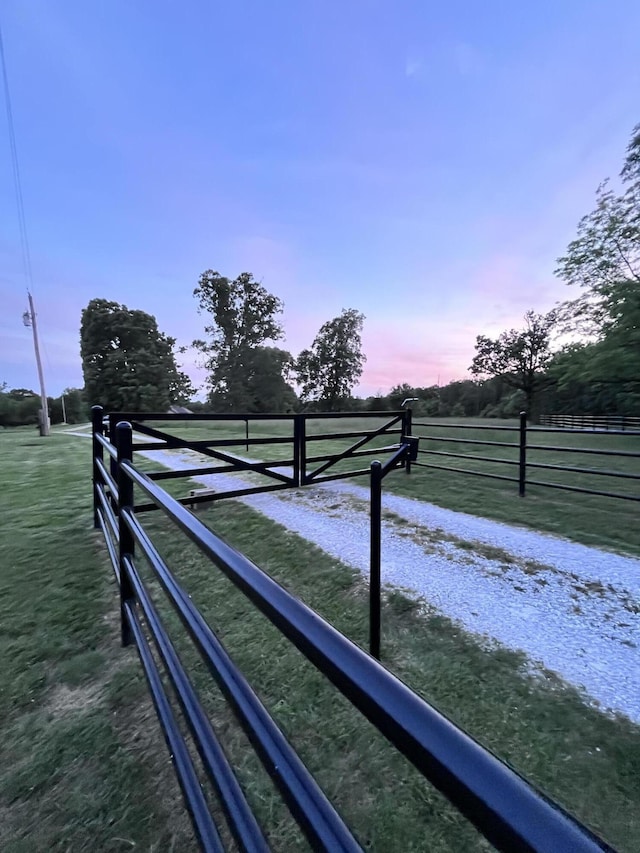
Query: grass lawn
(83, 767)
(593, 520)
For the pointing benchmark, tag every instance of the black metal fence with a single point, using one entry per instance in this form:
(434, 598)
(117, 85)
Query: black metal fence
(599, 423)
(523, 453)
(501, 804)
(298, 466)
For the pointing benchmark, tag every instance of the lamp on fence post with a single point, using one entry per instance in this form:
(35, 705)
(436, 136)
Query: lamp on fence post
(124, 446)
(97, 429)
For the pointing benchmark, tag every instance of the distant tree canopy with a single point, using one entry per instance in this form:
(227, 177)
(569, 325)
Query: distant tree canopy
(19, 407)
(267, 384)
(128, 364)
(245, 375)
(604, 261)
(519, 357)
(328, 371)
(464, 398)
(70, 406)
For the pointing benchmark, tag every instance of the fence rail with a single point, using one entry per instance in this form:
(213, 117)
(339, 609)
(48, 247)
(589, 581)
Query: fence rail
(292, 470)
(505, 808)
(527, 456)
(606, 423)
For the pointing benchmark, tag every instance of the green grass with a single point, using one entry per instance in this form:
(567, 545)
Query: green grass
(83, 767)
(593, 520)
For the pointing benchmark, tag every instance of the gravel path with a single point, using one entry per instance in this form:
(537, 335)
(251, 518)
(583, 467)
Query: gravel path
(572, 609)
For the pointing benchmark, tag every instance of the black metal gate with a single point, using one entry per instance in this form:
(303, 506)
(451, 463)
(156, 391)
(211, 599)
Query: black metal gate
(296, 466)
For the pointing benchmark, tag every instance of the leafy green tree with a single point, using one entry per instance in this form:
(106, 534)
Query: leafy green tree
(604, 261)
(18, 407)
(128, 364)
(268, 385)
(328, 370)
(243, 317)
(399, 393)
(518, 356)
(75, 405)
(75, 408)
(606, 253)
(265, 387)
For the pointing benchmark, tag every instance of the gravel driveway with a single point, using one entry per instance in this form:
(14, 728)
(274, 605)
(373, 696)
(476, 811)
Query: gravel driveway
(572, 609)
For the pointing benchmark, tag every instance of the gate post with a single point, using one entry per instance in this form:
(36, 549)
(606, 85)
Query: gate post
(97, 451)
(374, 565)
(522, 465)
(406, 430)
(296, 450)
(126, 542)
(300, 448)
(113, 465)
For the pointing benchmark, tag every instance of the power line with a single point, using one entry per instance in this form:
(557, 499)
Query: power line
(30, 315)
(22, 222)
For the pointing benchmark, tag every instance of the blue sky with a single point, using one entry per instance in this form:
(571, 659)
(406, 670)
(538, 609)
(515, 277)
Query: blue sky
(425, 163)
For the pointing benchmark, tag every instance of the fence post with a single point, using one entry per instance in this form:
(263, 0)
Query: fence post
(522, 467)
(374, 565)
(124, 442)
(296, 450)
(113, 465)
(97, 450)
(302, 435)
(406, 429)
(246, 432)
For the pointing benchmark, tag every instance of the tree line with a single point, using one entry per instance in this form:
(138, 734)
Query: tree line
(20, 406)
(129, 364)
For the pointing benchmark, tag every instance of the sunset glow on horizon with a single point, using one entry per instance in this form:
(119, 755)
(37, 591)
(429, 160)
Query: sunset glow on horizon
(425, 165)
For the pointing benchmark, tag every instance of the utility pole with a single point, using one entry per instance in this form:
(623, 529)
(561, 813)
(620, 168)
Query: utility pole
(29, 318)
(64, 410)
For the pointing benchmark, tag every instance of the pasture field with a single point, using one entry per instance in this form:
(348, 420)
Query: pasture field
(82, 763)
(593, 520)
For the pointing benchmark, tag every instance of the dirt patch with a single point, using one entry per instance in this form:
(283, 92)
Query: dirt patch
(65, 700)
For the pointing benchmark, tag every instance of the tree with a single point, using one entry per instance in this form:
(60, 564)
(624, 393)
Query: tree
(604, 260)
(267, 384)
(518, 356)
(75, 409)
(328, 370)
(243, 316)
(18, 407)
(128, 364)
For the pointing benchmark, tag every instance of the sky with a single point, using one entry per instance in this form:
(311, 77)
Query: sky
(422, 162)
